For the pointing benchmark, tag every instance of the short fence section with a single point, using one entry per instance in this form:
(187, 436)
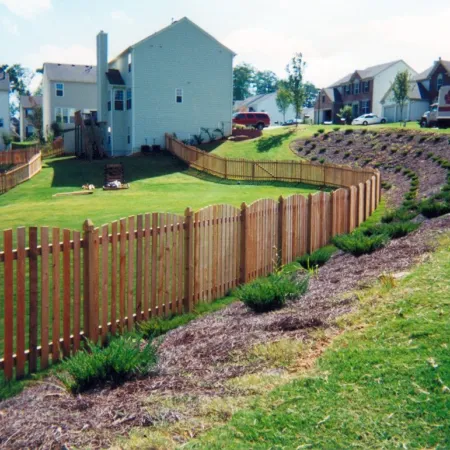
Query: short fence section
(24, 165)
(62, 286)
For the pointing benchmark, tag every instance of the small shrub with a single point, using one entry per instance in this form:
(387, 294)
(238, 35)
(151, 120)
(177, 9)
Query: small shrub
(434, 208)
(367, 160)
(364, 131)
(419, 153)
(385, 185)
(198, 139)
(336, 128)
(378, 164)
(314, 158)
(270, 293)
(436, 139)
(124, 358)
(317, 258)
(347, 154)
(393, 150)
(350, 142)
(398, 169)
(339, 140)
(316, 135)
(322, 150)
(348, 131)
(405, 152)
(383, 147)
(313, 146)
(336, 151)
(399, 215)
(307, 151)
(307, 142)
(394, 230)
(422, 139)
(322, 160)
(321, 130)
(430, 154)
(357, 243)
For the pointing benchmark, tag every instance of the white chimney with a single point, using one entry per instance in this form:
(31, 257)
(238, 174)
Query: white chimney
(102, 82)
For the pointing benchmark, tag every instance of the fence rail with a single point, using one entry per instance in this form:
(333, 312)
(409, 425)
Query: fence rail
(25, 164)
(62, 286)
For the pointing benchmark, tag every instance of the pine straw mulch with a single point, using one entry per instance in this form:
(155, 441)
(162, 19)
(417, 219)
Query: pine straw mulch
(199, 358)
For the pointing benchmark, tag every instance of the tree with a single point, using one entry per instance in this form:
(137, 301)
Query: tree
(400, 90)
(311, 93)
(346, 113)
(36, 119)
(283, 100)
(243, 76)
(295, 82)
(19, 78)
(266, 82)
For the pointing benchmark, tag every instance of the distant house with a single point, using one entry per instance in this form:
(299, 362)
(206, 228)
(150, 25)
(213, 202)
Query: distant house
(424, 89)
(363, 90)
(178, 80)
(264, 103)
(26, 110)
(67, 88)
(4, 107)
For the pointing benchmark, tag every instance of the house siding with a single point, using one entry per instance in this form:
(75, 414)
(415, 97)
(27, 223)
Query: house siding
(432, 83)
(269, 105)
(183, 57)
(4, 114)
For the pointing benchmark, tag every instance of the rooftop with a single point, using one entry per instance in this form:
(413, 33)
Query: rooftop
(76, 73)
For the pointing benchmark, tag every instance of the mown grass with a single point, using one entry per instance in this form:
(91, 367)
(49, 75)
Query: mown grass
(384, 383)
(158, 184)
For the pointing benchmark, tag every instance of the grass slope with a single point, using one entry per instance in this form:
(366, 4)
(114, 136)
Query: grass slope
(385, 383)
(158, 184)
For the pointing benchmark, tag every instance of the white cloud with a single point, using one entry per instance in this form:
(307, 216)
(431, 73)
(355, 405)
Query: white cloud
(27, 8)
(74, 54)
(9, 26)
(121, 16)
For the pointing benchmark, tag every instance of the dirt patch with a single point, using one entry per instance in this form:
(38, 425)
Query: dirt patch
(199, 359)
(386, 151)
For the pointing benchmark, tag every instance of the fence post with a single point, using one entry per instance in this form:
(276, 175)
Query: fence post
(253, 171)
(310, 228)
(90, 280)
(281, 234)
(188, 260)
(226, 168)
(244, 229)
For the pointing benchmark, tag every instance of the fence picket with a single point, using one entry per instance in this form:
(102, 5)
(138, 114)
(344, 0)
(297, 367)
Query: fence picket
(9, 303)
(20, 299)
(33, 298)
(66, 292)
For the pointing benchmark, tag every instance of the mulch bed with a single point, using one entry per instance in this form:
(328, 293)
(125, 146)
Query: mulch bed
(199, 357)
(386, 151)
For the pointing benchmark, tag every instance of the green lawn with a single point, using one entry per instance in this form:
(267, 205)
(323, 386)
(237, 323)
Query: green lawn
(383, 384)
(158, 184)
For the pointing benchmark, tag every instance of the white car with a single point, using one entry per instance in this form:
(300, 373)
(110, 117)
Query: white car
(368, 119)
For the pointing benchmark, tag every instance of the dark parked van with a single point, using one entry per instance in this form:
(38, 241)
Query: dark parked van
(257, 120)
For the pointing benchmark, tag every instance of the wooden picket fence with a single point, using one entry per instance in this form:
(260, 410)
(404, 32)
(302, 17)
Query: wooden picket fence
(62, 286)
(25, 164)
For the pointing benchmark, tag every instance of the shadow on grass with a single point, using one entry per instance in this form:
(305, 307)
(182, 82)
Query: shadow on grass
(72, 172)
(268, 143)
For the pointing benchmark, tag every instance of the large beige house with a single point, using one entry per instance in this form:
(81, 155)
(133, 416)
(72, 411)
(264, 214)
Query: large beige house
(178, 80)
(67, 88)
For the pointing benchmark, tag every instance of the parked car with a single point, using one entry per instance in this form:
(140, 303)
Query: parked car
(368, 119)
(292, 122)
(252, 119)
(439, 113)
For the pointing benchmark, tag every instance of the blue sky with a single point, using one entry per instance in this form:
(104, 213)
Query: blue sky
(334, 37)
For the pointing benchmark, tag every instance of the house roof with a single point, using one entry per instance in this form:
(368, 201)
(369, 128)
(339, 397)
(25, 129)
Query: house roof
(427, 73)
(4, 81)
(254, 99)
(114, 77)
(76, 73)
(364, 74)
(173, 24)
(28, 101)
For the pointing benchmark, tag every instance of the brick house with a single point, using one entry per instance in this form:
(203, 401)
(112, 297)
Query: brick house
(363, 90)
(433, 78)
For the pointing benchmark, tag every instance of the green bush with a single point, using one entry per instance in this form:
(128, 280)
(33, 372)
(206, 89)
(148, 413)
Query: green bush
(322, 160)
(357, 243)
(321, 130)
(317, 258)
(270, 293)
(336, 151)
(124, 358)
(348, 131)
(434, 208)
(314, 158)
(336, 128)
(394, 230)
(346, 154)
(419, 153)
(385, 185)
(322, 150)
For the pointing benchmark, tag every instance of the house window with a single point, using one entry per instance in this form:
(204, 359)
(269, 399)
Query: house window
(128, 98)
(323, 98)
(2, 123)
(65, 115)
(118, 103)
(109, 105)
(365, 107)
(59, 89)
(109, 139)
(439, 81)
(29, 112)
(179, 95)
(366, 87)
(129, 62)
(347, 89)
(356, 87)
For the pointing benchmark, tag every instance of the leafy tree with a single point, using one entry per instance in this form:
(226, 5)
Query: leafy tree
(19, 78)
(36, 119)
(243, 77)
(311, 93)
(346, 113)
(295, 82)
(400, 89)
(266, 82)
(283, 100)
